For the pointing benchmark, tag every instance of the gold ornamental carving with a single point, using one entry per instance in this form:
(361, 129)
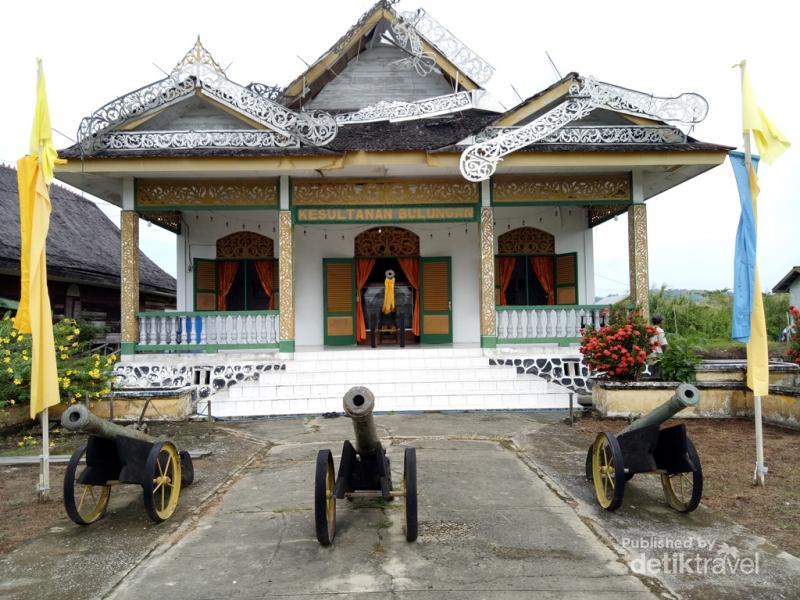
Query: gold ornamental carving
(245, 244)
(155, 193)
(601, 214)
(637, 258)
(168, 219)
(383, 193)
(386, 241)
(526, 240)
(550, 188)
(129, 272)
(286, 274)
(488, 324)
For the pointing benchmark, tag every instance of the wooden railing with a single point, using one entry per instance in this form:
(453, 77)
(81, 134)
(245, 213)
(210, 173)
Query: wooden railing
(536, 324)
(209, 330)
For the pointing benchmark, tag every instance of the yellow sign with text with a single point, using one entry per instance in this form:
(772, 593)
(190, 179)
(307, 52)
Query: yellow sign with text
(384, 214)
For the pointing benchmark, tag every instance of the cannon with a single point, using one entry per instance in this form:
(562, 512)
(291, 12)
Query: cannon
(115, 455)
(399, 319)
(364, 471)
(643, 447)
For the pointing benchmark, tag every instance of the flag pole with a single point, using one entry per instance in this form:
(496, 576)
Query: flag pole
(760, 470)
(44, 461)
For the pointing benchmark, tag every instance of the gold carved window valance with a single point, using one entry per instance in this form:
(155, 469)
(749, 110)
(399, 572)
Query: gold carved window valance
(536, 189)
(387, 241)
(439, 192)
(153, 194)
(526, 240)
(245, 244)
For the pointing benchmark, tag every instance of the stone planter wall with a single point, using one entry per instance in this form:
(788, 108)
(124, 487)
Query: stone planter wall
(717, 400)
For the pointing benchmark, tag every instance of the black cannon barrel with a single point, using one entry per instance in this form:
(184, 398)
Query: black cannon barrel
(685, 395)
(359, 403)
(78, 418)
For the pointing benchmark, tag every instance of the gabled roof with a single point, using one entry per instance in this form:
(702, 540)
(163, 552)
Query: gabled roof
(785, 283)
(114, 125)
(83, 245)
(428, 47)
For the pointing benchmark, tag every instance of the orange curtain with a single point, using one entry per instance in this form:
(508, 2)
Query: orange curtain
(266, 272)
(543, 267)
(363, 269)
(506, 264)
(226, 274)
(410, 268)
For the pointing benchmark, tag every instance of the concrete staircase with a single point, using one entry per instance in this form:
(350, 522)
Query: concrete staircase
(409, 379)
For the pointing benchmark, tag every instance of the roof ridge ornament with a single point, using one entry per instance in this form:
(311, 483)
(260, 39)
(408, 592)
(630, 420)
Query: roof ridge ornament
(400, 110)
(198, 72)
(479, 161)
(197, 55)
(456, 51)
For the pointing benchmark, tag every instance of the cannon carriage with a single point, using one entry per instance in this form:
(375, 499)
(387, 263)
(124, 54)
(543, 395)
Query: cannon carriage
(643, 447)
(115, 455)
(364, 471)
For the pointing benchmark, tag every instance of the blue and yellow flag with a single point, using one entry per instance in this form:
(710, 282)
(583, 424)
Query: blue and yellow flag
(34, 173)
(749, 324)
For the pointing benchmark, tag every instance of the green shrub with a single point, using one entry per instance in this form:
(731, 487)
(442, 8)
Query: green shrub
(80, 373)
(678, 362)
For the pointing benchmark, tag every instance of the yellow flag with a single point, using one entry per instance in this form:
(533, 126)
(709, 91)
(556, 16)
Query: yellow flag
(34, 173)
(44, 374)
(771, 142)
(757, 348)
(41, 132)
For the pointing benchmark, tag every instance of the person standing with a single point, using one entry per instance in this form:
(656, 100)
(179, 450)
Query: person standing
(660, 337)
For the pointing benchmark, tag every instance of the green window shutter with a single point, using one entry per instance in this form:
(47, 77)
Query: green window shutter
(340, 301)
(436, 287)
(205, 284)
(567, 278)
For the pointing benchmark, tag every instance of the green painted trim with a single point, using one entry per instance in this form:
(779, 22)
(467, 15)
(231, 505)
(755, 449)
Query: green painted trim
(200, 347)
(564, 203)
(209, 313)
(437, 338)
(544, 340)
(337, 340)
(286, 346)
(556, 307)
(488, 341)
(295, 219)
(127, 348)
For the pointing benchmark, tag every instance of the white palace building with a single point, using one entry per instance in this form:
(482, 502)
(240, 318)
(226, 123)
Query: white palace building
(290, 205)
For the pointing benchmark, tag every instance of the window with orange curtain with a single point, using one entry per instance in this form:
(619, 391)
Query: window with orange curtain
(363, 269)
(266, 273)
(410, 268)
(226, 275)
(505, 266)
(543, 268)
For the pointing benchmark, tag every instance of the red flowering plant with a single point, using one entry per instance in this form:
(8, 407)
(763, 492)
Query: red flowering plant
(619, 351)
(793, 353)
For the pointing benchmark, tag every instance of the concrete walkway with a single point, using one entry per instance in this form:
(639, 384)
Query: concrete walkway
(489, 526)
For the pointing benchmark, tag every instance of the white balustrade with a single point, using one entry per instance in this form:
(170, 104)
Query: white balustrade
(529, 323)
(200, 329)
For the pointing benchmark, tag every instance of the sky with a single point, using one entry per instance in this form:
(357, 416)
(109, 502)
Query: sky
(96, 51)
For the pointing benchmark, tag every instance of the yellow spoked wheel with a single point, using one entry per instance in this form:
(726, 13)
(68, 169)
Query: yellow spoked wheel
(410, 494)
(608, 471)
(162, 485)
(324, 498)
(684, 490)
(84, 504)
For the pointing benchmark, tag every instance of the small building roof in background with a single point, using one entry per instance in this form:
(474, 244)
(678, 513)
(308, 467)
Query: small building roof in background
(785, 283)
(83, 244)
